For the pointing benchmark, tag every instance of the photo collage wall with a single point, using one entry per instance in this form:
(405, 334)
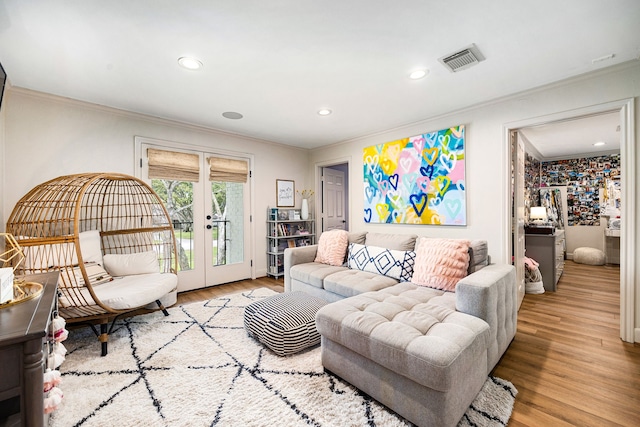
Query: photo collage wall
(531, 183)
(583, 178)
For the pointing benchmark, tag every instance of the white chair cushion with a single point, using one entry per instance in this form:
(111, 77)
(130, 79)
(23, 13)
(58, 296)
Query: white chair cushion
(132, 264)
(90, 246)
(125, 293)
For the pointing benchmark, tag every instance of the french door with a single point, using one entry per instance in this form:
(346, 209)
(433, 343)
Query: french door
(211, 216)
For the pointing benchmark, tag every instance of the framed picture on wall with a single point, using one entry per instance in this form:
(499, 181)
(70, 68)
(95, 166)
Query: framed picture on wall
(285, 193)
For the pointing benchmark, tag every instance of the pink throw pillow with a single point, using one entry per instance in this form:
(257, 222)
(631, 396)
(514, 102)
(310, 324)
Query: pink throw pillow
(332, 247)
(440, 263)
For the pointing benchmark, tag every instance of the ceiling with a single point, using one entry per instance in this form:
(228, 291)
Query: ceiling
(278, 62)
(568, 138)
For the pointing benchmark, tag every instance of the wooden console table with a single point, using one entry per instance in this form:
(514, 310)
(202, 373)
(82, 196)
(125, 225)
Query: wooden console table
(23, 333)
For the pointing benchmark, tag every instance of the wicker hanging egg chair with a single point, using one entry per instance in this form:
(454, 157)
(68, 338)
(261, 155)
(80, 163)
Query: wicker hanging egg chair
(110, 237)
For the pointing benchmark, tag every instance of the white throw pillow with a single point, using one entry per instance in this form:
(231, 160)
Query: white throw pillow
(90, 246)
(131, 264)
(388, 262)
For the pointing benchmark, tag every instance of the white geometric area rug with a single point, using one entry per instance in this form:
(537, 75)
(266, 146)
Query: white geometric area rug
(198, 367)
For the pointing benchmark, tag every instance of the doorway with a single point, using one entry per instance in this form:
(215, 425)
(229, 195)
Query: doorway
(627, 152)
(333, 203)
(211, 211)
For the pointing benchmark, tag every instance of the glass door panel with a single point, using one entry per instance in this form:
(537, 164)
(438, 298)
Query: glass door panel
(228, 226)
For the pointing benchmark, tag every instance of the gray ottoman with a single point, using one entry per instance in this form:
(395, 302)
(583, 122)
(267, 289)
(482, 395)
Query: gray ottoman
(285, 323)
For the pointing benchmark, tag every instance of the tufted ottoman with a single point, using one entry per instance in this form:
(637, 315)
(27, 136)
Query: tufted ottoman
(408, 348)
(285, 322)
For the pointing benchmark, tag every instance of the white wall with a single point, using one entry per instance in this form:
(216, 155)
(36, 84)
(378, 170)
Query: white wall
(2, 170)
(487, 171)
(487, 174)
(48, 136)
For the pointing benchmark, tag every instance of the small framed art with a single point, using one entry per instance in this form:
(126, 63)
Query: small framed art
(285, 193)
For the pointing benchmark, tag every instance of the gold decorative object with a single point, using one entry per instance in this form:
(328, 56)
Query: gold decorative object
(23, 291)
(12, 251)
(12, 257)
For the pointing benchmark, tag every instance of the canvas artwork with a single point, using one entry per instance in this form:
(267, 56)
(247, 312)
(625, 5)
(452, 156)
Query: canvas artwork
(416, 180)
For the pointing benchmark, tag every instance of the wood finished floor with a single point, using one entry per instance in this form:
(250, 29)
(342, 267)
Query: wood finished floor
(567, 360)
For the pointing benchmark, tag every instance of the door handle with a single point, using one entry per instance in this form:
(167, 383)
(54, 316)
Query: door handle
(209, 226)
(208, 217)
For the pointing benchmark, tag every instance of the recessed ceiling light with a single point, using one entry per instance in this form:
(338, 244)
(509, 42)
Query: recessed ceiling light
(599, 144)
(418, 74)
(189, 63)
(232, 115)
(324, 112)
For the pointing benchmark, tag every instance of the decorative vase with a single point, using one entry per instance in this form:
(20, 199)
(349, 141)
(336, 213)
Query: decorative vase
(304, 212)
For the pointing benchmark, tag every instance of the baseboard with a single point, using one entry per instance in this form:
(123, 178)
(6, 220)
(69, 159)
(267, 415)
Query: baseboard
(636, 335)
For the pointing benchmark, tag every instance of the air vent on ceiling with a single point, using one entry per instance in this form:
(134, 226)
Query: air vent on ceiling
(462, 59)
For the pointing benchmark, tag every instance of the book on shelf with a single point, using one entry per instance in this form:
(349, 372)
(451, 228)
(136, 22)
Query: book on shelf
(303, 242)
(291, 243)
(273, 214)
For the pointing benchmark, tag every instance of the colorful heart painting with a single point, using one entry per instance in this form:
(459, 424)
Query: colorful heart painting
(417, 180)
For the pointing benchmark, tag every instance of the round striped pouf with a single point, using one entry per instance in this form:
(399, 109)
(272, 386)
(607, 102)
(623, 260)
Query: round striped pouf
(285, 323)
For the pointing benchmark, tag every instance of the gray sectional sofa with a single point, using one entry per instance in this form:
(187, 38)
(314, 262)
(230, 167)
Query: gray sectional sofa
(424, 353)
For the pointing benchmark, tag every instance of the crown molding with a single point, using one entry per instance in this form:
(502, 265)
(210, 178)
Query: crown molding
(140, 116)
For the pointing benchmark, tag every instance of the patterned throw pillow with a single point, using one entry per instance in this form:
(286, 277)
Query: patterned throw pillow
(387, 262)
(440, 263)
(332, 247)
(97, 275)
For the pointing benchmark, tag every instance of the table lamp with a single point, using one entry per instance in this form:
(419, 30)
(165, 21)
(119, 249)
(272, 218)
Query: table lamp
(538, 215)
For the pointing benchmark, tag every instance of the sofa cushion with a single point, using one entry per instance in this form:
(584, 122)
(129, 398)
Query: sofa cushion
(399, 242)
(313, 273)
(358, 237)
(410, 330)
(353, 282)
(332, 247)
(478, 255)
(388, 262)
(440, 263)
